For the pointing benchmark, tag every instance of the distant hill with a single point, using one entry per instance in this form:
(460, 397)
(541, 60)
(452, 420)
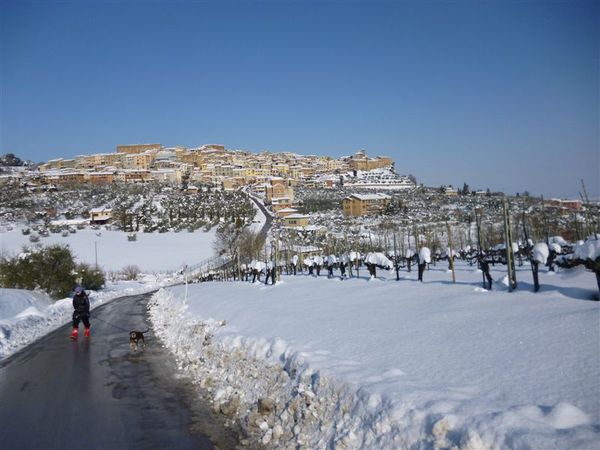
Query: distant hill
(10, 160)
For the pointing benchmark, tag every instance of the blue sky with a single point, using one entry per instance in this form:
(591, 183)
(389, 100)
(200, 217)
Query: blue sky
(499, 94)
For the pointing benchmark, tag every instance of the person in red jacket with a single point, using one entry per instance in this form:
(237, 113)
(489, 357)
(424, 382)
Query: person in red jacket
(81, 306)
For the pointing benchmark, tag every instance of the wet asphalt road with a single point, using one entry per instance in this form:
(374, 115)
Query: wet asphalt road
(97, 394)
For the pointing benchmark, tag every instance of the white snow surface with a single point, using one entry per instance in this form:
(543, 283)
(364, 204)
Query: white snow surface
(590, 249)
(396, 364)
(115, 251)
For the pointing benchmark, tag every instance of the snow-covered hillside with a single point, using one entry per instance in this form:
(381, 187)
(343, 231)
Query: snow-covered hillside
(381, 364)
(150, 251)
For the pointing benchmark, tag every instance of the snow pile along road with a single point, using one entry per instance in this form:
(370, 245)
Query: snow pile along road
(320, 363)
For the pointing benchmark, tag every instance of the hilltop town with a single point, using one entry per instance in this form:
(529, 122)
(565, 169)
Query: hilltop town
(215, 165)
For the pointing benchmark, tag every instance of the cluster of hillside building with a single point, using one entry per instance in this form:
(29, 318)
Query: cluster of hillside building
(208, 164)
(272, 176)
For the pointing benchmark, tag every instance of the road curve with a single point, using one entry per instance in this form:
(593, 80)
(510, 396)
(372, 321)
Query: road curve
(264, 231)
(97, 394)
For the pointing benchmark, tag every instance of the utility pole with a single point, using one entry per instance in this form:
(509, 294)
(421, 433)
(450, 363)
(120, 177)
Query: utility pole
(96, 253)
(185, 270)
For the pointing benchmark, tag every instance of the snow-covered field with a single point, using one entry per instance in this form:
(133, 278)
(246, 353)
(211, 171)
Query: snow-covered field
(151, 252)
(380, 364)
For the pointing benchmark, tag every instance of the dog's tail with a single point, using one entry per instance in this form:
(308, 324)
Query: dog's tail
(145, 331)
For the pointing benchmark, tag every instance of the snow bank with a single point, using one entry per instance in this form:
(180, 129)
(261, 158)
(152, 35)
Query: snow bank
(316, 363)
(15, 301)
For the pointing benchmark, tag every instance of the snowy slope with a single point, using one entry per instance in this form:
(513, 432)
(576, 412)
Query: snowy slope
(150, 252)
(385, 364)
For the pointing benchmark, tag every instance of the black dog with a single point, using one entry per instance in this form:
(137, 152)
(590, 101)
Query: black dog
(136, 339)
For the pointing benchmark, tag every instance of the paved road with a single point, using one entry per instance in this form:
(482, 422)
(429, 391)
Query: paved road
(97, 394)
(268, 218)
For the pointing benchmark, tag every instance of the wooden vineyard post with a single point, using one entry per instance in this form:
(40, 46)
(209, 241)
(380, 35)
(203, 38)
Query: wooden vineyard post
(478, 223)
(396, 260)
(510, 263)
(451, 255)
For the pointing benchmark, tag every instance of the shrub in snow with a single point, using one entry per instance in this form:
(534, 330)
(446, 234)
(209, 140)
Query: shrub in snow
(51, 269)
(130, 272)
(91, 278)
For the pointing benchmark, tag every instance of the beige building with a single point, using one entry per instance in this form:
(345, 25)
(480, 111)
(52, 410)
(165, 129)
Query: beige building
(133, 176)
(100, 177)
(296, 220)
(172, 176)
(135, 149)
(141, 161)
(360, 161)
(100, 215)
(365, 204)
(278, 189)
(66, 177)
(224, 171)
(284, 212)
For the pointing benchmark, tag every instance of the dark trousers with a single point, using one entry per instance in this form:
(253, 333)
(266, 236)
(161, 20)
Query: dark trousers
(84, 317)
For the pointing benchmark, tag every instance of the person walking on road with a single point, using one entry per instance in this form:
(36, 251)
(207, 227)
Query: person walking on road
(81, 306)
